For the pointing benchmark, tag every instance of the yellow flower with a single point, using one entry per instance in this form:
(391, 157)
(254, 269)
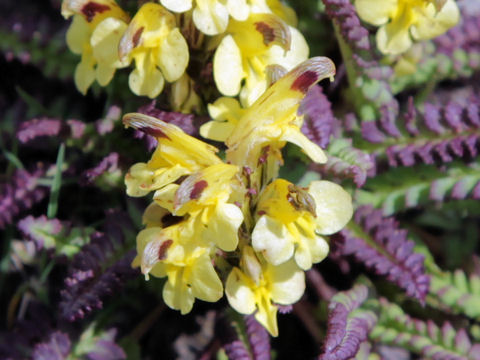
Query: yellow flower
(183, 97)
(272, 120)
(258, 285)
(402, 20)
(164, 252)
(204, 196)
(225, 112)
(177, 154)
(210, 16)
(95, 33)
(290, 220)
(248, 48)
(158, 48)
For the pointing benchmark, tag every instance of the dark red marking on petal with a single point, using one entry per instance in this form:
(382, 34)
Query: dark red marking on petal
(162, 250)
(136, 36)
(198, 188)
(155, 132)
(92, 8)
(263, 155)
(266, 31)
(304, 81)
(261, 212)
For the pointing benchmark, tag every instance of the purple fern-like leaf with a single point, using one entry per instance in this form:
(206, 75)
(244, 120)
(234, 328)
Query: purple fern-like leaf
(41, 231)
(380, 244)
(108, 164)
(258, 338)
(230, 340)
(38, 127)
(20, 193)
(319, 122)
(439, 134)
(94, 273)
(347, 327)
(57, 347)
(345, 16)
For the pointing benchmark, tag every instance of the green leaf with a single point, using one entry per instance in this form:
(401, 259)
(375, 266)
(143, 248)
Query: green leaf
(57, 182)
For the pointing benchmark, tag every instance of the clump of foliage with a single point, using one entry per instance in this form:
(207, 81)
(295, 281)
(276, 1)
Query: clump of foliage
(399, 125)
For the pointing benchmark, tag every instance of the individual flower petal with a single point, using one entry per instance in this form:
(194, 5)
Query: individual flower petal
(225, 113)
(223, 226)
(146, 79)
(376, 12)
(78, 34)
(312, 150)
(239, 293)
(333, 206)
(288, 283)
(85, 73)
(431, 23)
(173, 55)
(227, 67)
(273, 240)
(210, 17)
(394, 38)
(177, 5)
(205, 283)
(238, 9)
(177, 294)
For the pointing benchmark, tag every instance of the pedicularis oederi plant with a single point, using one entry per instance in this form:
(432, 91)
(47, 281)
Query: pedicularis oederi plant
(241, 179)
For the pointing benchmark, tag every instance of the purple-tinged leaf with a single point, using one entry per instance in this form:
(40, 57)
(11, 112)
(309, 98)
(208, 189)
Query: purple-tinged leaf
(226, 331)
(106, 125)
(258, 338)
(42, 231)
(57, 347)
(186, 122)
(108, 164)
(38, 127)
(344, 14)
(21, 193)
(348, 326)
(105, 348)
(424, 338)
(94, 273)
(382, 246)
(345, 161)
(319, 122)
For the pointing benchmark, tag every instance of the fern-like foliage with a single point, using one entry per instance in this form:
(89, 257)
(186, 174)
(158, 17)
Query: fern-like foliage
(348, 326)
(373, 98)
(20, 193)
(45, 126)
(243, 338)
(427, 339)
(380, 244)
(108, 164)
(455, 292)
(438, 134)
(453, 55)
(319, 122)
(347, 162)
(409, 187)
(98, 271)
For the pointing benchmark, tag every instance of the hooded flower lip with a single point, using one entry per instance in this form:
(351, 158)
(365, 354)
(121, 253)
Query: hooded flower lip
(263, 287)
(290, 220)
(402, 20)
(187, 266)
(273, 120)
(94, 34)
(248, 48)
(158, 48)
(177, 155)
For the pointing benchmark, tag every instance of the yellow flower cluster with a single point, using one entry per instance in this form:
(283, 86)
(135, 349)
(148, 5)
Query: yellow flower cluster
(247, 37)
(212, 219)
(218, 225)
(402, 21)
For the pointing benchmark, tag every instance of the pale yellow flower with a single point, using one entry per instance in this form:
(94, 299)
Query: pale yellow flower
(259, 286)
(188, 267)
(401, 21)
(291, 221)
(177, 154)
(210, 16)
(225, 112)
(248, 48)
(160, 51)
(95, 34)
(204, 196)
(273, 119)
